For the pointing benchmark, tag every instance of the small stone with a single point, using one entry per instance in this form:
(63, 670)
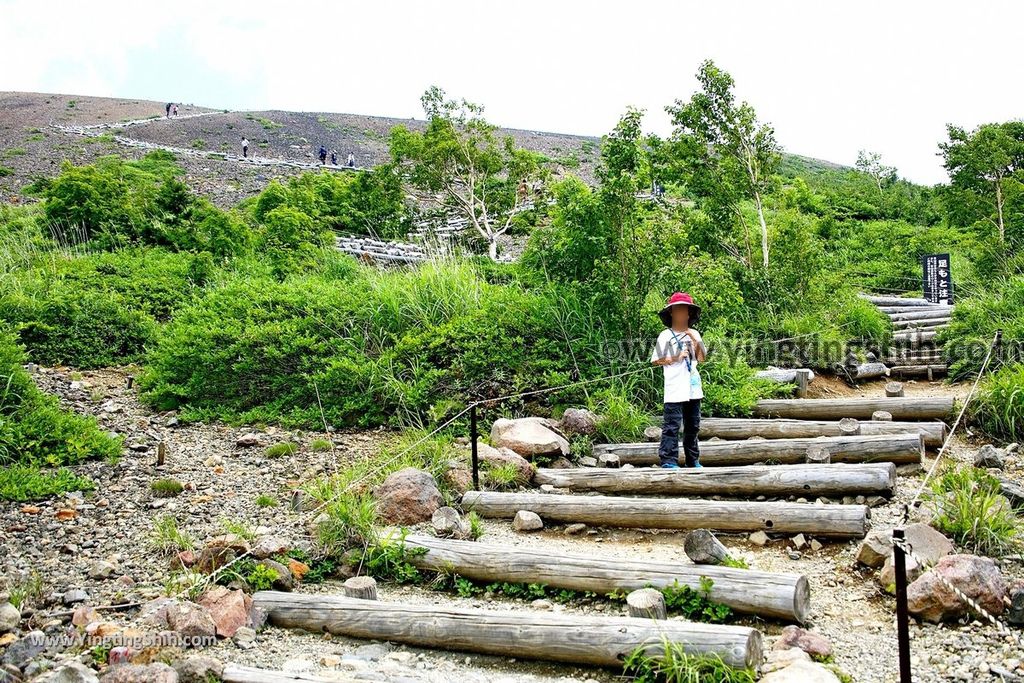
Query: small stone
(245, 637)
(801, 672)
(799, 542)
(84, 615)
(140, 673)
(101, 570)
(793, 554)
(812, 643)
(330, 661)
(527, 521)
(781, 657)
(74, 596)
(73, 672)
(588, 461)
(988, 456)
(759, 538)
(816, 545)
(574, 529)
(10, 617)
(198, 669)
(541, 604)
(248, 440)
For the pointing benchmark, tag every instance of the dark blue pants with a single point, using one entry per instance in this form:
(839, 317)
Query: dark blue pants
(685, 416)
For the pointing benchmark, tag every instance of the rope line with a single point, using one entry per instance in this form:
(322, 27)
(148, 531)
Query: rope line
(963, 409)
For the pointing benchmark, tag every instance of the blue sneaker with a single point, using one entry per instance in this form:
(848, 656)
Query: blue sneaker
(697, 465)
(670, 466)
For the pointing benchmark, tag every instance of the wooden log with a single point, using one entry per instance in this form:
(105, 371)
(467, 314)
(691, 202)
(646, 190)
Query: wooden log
(803, 378)
(924, 314)
(608, 460)
(576, 639)
(848, 427)
(869, 370)
(701, 546)
(894, 389)
(907, 408)
(734, 428)
(837, 521)
(934, 309)
(362, 587)
(880, 300)
(234, 673)
(747, 591)
(745, 481)
(920, 370)
(914, 337)
(820, 455)
(919, 323)
(647, 603)
(903, 447)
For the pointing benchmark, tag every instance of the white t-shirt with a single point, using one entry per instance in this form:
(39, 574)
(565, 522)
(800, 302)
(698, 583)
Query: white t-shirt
(682, 380)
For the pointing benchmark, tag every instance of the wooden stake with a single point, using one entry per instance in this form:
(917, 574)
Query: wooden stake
(803, 377)
(647, 603)
(362, 587)
(819, 455)
(894, 389)
(881, 416)
(849, 426)
(161, 454)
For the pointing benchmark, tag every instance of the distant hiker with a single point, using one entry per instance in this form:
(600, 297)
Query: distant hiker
(174, 110)
(323, 154)
(678, 350)
(168, 110)
(245, 148)
(334, 157)
(351, 162)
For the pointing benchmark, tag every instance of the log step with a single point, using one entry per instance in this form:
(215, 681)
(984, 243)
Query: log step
(837, 521)
(731, 428)
(902, 310)
(926, 314)
(809, 481)
(765, 594)
(880, 300)
(937, 370)
(908, 408)
(575, 639)
(915, 337)
(906, 447)
(920, 323)
(233, 673)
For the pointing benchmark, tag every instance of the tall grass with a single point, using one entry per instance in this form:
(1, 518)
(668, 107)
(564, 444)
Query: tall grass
(998, 408)
(969, 507)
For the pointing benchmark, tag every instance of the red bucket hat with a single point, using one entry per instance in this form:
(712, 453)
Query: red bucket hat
(679, 299)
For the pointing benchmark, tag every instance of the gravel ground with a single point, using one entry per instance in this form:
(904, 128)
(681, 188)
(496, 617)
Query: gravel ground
(222, 481)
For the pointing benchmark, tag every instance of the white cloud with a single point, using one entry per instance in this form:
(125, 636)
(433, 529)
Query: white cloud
(832, 78)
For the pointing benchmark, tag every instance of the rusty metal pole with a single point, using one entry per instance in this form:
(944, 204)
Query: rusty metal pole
(902, 615)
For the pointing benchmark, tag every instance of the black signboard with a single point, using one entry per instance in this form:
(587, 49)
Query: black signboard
(938, 283)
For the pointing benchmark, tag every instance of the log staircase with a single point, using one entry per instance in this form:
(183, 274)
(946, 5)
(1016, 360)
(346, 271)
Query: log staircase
(916, 323)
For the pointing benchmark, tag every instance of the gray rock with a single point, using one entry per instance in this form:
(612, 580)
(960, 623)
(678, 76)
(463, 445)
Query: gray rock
(140, 673)
(577, 528)
(10, 617)
(758, 538)
(248, 440)
(73, 596)
(22, 651)
(75, 672)
(101, 570)
(801, 672)
(578, 421)
(408, 496)
(245, 637)
(370, 653)
(1016, 615)
(529, 437)
(527, 521)
(198, 669)
(269, 546)
(814, 644)
(284, 581)
(988, 456)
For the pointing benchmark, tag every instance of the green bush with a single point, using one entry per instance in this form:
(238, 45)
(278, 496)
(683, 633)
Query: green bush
(998, 407)
(35, 433)
(970, 508)
(975, 321)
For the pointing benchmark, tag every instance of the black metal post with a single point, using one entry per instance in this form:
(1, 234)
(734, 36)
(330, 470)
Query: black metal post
(902, 615)
(472, 444)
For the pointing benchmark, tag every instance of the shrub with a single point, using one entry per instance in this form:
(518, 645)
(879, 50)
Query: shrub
(265, 501)
(282, 449)
(998, 407)
(321, 446)
(671, 663)
(620, 420)
(35, 432)
(166, 537)
(166, 488)
(28, 482)
(970, 508)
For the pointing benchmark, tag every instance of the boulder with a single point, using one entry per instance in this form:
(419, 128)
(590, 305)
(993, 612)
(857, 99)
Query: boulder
(459, 478)
(219, 551)
(988, 456)
(529, 437)
(269, 546)
(24, 650)
(496, 457)
(926, 543)
(814, 644)
(10, 617)
(228, 608)
(284, 581)
(198, 669)
(976, 577)
(875, 548)
(578, 421)
(408, 496)
(140, 673)
(801, 672)
(74, 672)
(527, 521)
(887, 577)
(193, 623)
(781, 658)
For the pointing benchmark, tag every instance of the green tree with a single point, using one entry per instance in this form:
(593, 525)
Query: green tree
(722, 152)
(871, 164)
(460, 159)
(986, 171)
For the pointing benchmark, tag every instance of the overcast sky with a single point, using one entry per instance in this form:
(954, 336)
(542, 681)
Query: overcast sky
(831, 77)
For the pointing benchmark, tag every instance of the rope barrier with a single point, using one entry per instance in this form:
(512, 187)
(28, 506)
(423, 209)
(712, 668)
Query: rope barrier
(942, 450)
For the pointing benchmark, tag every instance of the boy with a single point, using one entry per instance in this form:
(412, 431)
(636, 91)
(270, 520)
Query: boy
(678, 351)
